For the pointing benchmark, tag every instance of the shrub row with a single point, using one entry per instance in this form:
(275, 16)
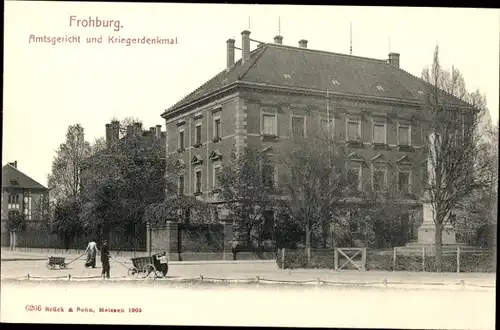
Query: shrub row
(384, 261)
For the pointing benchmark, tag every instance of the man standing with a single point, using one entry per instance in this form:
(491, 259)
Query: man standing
(91, 252)
(105, 260)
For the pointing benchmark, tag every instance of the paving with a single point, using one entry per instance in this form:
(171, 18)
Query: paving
(26, 263)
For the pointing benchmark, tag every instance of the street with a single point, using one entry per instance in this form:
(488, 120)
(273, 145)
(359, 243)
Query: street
(35, 266)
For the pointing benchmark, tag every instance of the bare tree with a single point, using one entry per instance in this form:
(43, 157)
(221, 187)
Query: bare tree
(65, 179)
(247, 185)
(454, 174)
(315, 182)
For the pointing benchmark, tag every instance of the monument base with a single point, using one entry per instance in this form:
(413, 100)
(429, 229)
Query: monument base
(427, 230)
(427, 234)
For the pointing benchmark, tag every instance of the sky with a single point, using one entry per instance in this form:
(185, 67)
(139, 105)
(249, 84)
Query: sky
(49, 87)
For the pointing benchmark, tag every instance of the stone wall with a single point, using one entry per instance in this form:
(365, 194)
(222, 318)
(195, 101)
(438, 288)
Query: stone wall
(38, 236)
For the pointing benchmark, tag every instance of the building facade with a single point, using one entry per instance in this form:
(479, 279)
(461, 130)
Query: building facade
(21, 196)
(374, 109)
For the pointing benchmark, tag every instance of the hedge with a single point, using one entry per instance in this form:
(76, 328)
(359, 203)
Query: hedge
(384, 262)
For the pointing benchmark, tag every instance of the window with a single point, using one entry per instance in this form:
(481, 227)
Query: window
(197, 138)
(181, 139)
(456, 138)
(378, 180)
(327, 126)
(197, 182)
(216, 182)
(353, 130)
(180, 187)
(27, 207)
(13, 199)
(298, 126)
(268, 175)
(217, 132)
(354, 177)
(404, 182)
(379, 133)
(404, 135)
(269, 124)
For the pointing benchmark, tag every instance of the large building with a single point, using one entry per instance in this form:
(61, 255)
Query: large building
(376, 109)
(21, 196)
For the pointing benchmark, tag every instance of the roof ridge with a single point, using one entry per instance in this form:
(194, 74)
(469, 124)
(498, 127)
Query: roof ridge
(259, 52)
(327, 52)
(224, 71)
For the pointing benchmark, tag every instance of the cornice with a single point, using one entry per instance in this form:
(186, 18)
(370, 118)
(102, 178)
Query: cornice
(245, 85)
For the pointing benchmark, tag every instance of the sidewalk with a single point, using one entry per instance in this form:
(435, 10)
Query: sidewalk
(123, 257)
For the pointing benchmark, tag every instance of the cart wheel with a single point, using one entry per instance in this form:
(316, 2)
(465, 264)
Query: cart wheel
(150, 269)
(132, 272)
(62, 266)
(50, 266)
(143, 272)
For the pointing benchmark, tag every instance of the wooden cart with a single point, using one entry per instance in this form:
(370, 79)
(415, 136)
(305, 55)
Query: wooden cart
(155, 265)
(56, 261)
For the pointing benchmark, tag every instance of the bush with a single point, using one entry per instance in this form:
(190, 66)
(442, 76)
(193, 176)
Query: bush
(298, 259)
(383, 261)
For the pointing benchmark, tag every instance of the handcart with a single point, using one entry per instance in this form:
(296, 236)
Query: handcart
(155, 265)
(56, 261)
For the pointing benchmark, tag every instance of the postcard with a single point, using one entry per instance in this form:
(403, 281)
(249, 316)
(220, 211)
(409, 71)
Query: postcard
(249, 165)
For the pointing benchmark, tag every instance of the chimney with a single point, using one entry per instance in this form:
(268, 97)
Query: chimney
(278, 40)
(115, 130)
(13, 164)
(158, 132)
(230, 53)
(303, 43)
(394, 59)
(138, 128)
(130, 130)
(245, 46)
(108, 133)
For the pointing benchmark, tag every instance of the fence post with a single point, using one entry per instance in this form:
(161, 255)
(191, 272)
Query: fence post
(364, 259)
(423, 258)
(283, 258)
(394, 259)
(336, 259)
(458, 258)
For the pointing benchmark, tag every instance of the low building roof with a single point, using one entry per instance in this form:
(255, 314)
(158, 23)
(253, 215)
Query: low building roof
(13, 178)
